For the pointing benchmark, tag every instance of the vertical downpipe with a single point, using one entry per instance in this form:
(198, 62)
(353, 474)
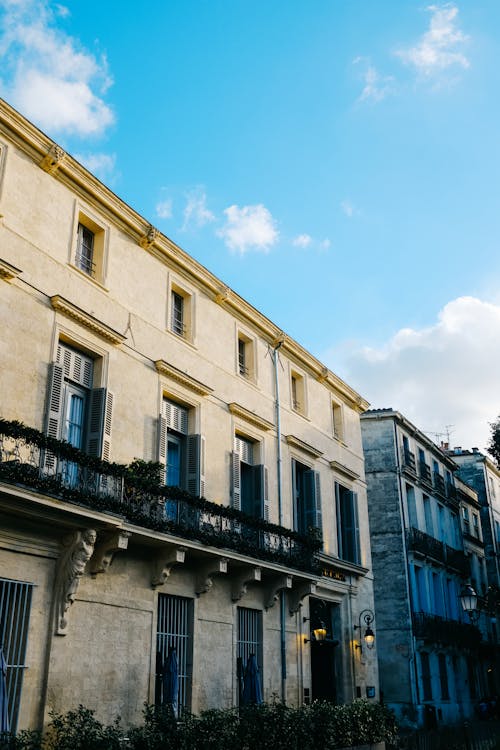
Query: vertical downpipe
(280, 516)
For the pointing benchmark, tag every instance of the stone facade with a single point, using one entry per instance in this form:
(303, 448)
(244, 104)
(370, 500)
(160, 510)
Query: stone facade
(117, 341)
(433, 666)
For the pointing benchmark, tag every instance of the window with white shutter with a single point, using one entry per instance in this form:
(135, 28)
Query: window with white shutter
(182, 453)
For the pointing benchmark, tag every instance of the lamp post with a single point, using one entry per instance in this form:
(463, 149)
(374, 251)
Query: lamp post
(367, 616)
(468, 600)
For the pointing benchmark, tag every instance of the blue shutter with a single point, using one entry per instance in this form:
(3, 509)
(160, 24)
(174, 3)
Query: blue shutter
(312, 500)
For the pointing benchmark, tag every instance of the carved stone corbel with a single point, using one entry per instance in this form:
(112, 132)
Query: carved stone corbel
(222, 294)
(306, 588)
(149, 238)
(240, 582)
(163, 564)
(53, 159)
(105, 549)
(77, 551)
(277, 584)
(204, 578)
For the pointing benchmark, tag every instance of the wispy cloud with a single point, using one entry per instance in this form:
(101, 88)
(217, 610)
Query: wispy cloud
(102, 165)
(47, 74)
(325, 244)
(445, 374)
(164, 208)
(349, 209)
(302, 240)
(249, 228)
(376, 86)
(441, 46)
(196, 212)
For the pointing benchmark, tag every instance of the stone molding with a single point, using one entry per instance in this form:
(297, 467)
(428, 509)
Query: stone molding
(163, 564)
(298, 593)
(250, 416)
(53, 159)
(78, 548)
(105, 550)
(96, 326)
(169, 371)
(344, 470)
(205, 574)
(148, 240)
(7, 271)
(301, 445)
(274, 587)
(240, 582)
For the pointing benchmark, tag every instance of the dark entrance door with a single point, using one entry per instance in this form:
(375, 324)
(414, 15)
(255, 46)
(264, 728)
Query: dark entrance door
(324, 683)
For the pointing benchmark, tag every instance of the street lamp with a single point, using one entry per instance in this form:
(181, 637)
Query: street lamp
(468, 600)
(319, 633)
(369, 636)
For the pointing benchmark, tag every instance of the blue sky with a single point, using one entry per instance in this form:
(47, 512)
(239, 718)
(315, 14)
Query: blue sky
(335, 162)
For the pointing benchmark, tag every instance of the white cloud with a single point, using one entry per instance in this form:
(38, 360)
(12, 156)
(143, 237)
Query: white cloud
(376, 86)
(302, 240)
(164, 209)
(102, 165)
(249, 228)
(446, 374)
(196, 212)
(349, 209)
(325, 244)
(47, 74)
(441, 46)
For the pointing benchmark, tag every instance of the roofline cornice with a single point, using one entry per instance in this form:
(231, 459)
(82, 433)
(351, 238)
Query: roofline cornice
(63, 167)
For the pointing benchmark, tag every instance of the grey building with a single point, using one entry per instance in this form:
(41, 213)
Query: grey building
(432, 667)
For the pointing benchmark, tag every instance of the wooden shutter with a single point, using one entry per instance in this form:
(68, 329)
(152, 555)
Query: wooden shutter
(195, 479)
(356, 547)
(260, 486)
(53, 416)
(176, 416)
(162, 432)
(100, 422)
(236, 480)
(77, 367)
(312, 500)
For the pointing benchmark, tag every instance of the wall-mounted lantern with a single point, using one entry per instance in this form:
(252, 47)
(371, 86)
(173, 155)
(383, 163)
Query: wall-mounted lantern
(468, 600)
(367, 617)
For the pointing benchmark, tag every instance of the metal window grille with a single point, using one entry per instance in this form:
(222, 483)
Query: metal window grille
(249, 635)
(177, 319)
(85, 250)
(15, 607)
(242, 358)
(174, 631)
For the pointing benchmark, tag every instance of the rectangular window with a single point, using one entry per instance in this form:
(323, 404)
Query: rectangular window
(298, 393)
(249, 479)
(443, 677)
(181, 313)
(347, 524)
(426, 676)
(84, 259)
(465, 520)
(246, 357)
(429, 524)
(15, 608)
(412, 506)
(306, 498)
(249, 642)
(338, 422)
(174, 631)
(76, 411)
(475, 524)
(182, 453)
(177, 314)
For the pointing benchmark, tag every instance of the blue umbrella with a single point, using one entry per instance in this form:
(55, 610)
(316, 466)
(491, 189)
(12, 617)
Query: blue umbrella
(4, 707)
(252, 691)
(171, 682)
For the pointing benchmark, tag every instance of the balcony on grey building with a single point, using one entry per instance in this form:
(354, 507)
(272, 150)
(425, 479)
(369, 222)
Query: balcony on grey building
(408, 459)
(425, 473)
(439, 484)
(437, 629)
(31, 461)
(423, 544)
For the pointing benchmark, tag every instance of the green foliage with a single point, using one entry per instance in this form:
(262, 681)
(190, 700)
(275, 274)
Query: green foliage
(80, 730)
(494, 445)
(270, 725)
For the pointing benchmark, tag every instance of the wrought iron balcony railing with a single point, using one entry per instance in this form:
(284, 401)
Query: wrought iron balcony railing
(436, 629)
(409, 461)
(439, 484)
(425, 473)
(56, 469)
(427, 545)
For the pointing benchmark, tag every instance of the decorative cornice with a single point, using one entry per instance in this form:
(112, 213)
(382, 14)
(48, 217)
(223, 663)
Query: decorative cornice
(169, 371)
(53, 159)
(344, 470)
(250, 416)
(222, 295)
(85, 319)
(8, 272)
(149, 239)
(296, 442)
(78, 179)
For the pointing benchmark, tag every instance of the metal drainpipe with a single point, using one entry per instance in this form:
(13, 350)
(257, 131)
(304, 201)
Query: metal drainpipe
(280, 517)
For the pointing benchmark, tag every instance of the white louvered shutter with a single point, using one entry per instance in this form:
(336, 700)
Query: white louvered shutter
(100, 423)
(53, 415)
(162, 431)
(236, 480)
(195, 482)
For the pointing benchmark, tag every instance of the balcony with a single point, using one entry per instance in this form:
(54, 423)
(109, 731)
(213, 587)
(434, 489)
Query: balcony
(439, 484)
(425, 473)
(31, 460)
(428, 546)
(408, 459)
(436, 629)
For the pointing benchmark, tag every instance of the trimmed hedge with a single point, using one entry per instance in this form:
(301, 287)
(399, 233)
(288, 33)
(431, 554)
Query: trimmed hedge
(320, 725)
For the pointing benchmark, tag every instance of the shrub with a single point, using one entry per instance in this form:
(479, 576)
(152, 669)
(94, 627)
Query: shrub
(80, 730)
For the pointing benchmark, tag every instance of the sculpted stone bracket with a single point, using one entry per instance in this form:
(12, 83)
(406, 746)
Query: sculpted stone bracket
(240, 582)
(277, 584)
(295, 596)
(78, 548)
(53, 159)
(105, 550)
(163, 564)
(149, 239)
(205, 574)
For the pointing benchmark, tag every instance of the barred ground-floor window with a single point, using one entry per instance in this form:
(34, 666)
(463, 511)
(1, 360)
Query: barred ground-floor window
(174, 632)
(15, 607)
(249, 642)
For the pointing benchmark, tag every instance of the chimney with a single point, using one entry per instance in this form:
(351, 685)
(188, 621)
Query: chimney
(444, 446)
(457, 449)
(475, 450)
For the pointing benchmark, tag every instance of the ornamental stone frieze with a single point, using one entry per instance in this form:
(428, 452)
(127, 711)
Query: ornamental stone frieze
(53, 159)
(149, 239)
(78, 548)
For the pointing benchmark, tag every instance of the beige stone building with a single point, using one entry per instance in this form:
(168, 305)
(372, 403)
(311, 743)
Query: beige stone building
(118, 342)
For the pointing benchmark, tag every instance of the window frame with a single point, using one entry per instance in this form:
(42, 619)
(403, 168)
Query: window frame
(338, 422)
(347, 525)
(298, 392)
(87, 220)
(180, 292)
